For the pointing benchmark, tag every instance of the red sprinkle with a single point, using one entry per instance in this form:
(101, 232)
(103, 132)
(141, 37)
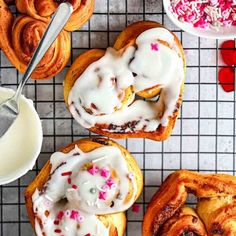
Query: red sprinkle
(226, 79)
(88, 235)
(60, 215)
(69, 180)
(66, 173)
(58, 231)
(56, 222)
(136, 208)
(74, 186)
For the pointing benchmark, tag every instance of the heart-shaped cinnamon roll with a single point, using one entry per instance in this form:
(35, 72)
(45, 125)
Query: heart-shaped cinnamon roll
(131, 90)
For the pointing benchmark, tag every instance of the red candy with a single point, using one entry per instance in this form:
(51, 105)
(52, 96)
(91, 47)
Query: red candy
(228, 55)
(226, 75)
(226, 79)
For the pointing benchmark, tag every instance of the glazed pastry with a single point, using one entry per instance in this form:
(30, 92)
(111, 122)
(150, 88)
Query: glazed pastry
(215, 213)
(20, 37)
(44, 9)
(84, 189)
(100, 88)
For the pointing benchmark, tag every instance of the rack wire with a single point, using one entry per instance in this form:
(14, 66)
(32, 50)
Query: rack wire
(203, 139)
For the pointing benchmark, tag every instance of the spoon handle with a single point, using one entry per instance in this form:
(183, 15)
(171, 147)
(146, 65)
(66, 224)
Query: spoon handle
(54, 28)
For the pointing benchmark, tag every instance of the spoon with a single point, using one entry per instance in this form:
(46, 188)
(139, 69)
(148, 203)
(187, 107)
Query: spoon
(9, 109)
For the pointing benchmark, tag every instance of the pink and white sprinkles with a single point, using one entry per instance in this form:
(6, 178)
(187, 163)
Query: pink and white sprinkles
(205, 13)
(72, 214)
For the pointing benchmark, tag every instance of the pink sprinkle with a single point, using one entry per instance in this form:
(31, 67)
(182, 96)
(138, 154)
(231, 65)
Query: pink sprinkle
(154, 46)
(94, 170)
(58, 231)
(69, 180)
(203, 14)
(74, 186)
(227, 23)
(110, 182)
(136, 208)
(105, 172)
(213, 2)
(130, 175)
(66, 173)
(80, 219)
(105, 187)
(47, 203)
(67, 213)
(60, 215)
(74, 215)
(102, 195)
(113, 186)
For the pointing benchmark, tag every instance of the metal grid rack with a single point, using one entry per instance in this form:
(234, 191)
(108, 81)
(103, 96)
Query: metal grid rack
(204, 136)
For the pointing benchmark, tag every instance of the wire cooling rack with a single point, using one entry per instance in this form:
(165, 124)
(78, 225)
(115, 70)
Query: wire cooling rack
(204, 136)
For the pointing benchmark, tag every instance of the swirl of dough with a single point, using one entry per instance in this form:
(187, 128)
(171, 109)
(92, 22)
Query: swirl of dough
(44, 9)
(218, 214)
(84, 190)
(100, 87)
(214, 192)
(19, 39)
(185, 222)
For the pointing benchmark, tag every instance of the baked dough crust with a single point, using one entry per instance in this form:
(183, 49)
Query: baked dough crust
(126, 38)
(116, 221)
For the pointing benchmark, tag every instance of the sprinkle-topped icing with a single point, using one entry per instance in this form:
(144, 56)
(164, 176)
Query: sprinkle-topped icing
(97, 97)
(65, 207)
(205, 13)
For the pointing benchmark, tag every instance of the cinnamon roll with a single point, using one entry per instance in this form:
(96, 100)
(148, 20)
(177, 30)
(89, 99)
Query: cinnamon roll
(84, 190)
(44, 9)
(19, 38)
(101, 87)
(214, 215)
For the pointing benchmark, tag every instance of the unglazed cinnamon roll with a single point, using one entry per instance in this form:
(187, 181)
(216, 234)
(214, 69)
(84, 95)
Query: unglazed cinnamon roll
(20, 36)
(101, 87)
(44, 9)
(84, 189)
(215, 213)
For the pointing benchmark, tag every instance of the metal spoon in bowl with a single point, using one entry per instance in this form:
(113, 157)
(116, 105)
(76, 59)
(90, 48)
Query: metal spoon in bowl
(9, 109)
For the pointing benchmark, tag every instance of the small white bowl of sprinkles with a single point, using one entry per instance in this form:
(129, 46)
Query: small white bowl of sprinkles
(214, 19)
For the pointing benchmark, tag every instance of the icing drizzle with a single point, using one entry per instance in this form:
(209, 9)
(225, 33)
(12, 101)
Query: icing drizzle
(97, 96)
(81, 186)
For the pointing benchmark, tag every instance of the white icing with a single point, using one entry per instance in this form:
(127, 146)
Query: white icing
(21, 144)
(163, 67)
(72, 165)
(101, 85)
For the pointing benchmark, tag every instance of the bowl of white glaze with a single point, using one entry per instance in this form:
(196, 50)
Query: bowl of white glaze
(211, 32)
(21, 144)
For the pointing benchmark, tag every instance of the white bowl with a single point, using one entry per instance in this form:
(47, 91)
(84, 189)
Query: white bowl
(222, 33)
(21, 145)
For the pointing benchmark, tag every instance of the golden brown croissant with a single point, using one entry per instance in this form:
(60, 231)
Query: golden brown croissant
(90, 168)
(100, 87)
(216, 207)
(20, 36)
(43, 10)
